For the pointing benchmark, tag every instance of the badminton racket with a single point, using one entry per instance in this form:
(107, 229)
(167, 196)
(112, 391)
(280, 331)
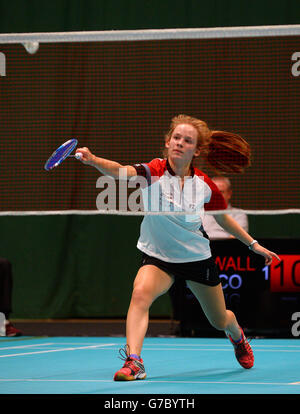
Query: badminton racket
(61, 153)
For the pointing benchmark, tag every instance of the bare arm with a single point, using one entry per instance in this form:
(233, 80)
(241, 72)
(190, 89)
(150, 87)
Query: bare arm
(232, 227)
(106, 167)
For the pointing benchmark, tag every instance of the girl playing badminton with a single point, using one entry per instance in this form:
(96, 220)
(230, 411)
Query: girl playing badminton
(175, 246)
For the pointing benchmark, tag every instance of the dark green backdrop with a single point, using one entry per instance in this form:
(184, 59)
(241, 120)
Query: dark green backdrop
(83, 266)
(70, 15)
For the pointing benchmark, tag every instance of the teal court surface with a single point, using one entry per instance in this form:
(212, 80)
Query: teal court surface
(85, 365)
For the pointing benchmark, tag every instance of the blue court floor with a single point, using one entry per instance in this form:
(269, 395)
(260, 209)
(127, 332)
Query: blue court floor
(85, 365)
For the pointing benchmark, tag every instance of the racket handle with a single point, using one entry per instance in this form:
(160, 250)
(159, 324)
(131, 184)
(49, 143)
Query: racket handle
(78, 155)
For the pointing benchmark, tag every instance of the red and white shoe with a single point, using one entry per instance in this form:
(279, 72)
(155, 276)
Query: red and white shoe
(133, 369)
(10, 330)
(243, 351)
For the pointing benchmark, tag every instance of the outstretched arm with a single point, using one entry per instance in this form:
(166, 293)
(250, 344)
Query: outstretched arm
(232, 227)
(106, 167)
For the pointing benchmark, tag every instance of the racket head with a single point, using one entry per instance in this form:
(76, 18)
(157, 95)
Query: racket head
(60, 154)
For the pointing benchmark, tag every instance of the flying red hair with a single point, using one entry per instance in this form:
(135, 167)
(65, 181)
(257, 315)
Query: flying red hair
(225, 152)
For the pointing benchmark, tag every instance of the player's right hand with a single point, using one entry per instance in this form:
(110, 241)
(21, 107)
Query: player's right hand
(86, 156)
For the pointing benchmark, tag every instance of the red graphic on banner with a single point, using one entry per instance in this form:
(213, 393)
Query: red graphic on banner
(241, 264)
(285, 275)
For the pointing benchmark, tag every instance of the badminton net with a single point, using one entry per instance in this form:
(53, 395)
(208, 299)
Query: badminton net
(116, 92)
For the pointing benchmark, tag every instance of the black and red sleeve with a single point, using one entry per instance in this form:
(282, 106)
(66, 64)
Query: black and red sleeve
(154, 168)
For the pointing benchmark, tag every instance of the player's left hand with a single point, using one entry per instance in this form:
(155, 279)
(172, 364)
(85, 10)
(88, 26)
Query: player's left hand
(267, 254)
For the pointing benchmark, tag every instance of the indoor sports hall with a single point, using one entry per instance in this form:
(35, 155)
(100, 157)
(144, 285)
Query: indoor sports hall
(70, 232)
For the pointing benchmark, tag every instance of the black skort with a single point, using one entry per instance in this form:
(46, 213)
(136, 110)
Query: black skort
(202, 271)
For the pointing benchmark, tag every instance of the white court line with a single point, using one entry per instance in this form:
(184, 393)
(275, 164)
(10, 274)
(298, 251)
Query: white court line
(147, 347)
(152, 382)
(229, 349)
(25, 346)
(218, 349)
(224, 382)
(225, 344)
(253, 344)
(161, 347)
(274, 346)
(55, 350)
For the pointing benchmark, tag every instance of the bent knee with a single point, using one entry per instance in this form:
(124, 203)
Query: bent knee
(141, 296)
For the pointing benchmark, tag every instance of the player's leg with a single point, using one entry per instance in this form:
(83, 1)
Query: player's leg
(211, 299)
(150, 283)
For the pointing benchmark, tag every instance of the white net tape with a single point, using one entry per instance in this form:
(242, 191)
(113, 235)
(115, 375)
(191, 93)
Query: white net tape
(143, 213)
(152, 34)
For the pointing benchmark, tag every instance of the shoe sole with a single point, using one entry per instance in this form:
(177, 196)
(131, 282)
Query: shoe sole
(123, 377)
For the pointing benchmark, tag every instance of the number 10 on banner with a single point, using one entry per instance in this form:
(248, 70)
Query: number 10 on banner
(285, 275)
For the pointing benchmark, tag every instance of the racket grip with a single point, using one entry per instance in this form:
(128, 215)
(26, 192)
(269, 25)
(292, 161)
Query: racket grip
(78, 155)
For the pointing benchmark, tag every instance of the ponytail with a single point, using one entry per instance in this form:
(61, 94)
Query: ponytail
(227, 153)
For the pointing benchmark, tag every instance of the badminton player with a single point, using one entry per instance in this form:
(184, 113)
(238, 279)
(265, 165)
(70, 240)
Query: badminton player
(175, 246)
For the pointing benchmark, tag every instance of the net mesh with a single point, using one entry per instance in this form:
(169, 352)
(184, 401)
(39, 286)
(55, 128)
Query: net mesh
(117, 98)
